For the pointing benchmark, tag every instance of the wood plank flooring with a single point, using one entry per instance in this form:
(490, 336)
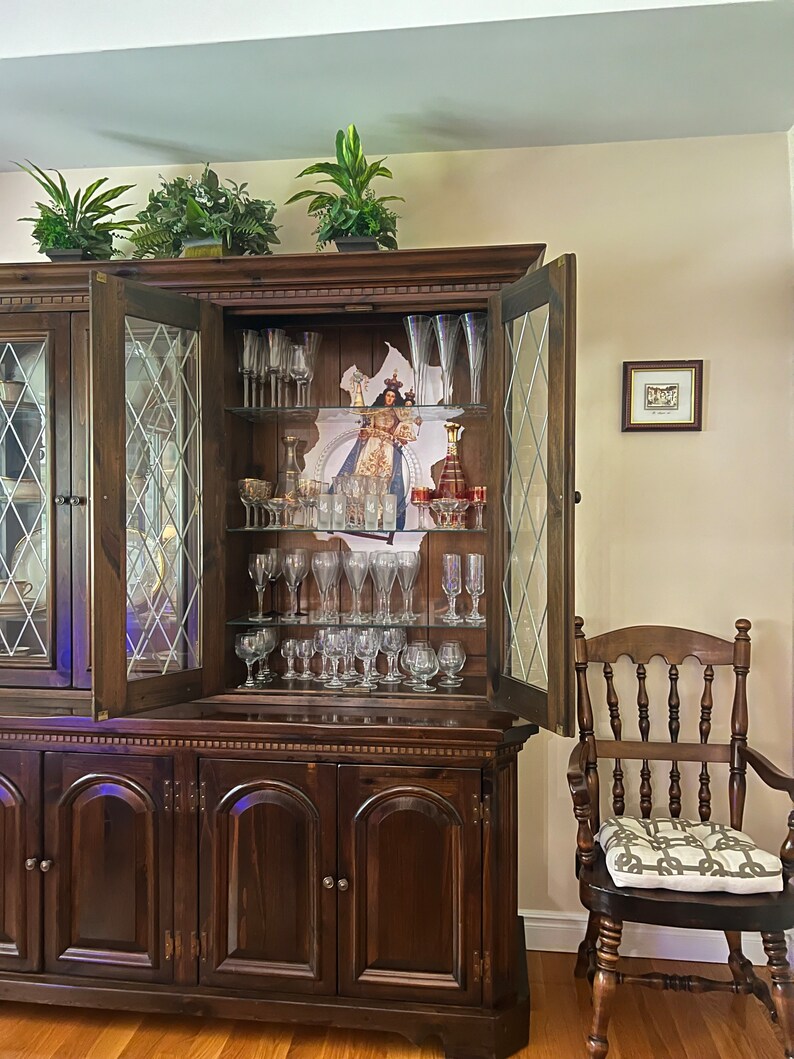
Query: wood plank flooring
(645, 1025)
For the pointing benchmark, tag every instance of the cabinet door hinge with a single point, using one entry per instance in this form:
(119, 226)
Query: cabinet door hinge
(195, 947)
(477, 966)
(173, 944)
(486, 967)
(482, 966)
(476, 809)
(486, 809)
(168, 797)
(197, 797)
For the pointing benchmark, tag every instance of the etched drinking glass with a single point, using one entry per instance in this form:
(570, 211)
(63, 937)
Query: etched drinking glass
(407, 572)
(446, 327)
(263, 491)
(367, 646)
(384, 568)
(247, 490)
(247, 650)
(326, 567)
(451, 583)
(305, 652)
(451, 660)
(289, 652)
(267, 639)
(475, 586)
(475, 330)
(392, 642)
(356, 566)
(294, 567)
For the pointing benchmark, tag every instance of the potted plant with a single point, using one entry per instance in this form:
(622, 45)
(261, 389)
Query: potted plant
(79, 226)
(355, 219)
(204, 217)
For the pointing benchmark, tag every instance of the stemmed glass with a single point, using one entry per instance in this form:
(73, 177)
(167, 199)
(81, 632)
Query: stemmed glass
(392, 642)
(366, 648)
(275, 346)
(475, 586)
(451, 583)
(247, 650)
(419, 329)
(423, 663)
(263, 491)
(289, 651)
(267, 640)
(446, 327)
(272, 558)
(304, 356)
(478, 498)
(420, 498)
(319, 646)
(384, 571)
(308, 491)
(407, 571)
(305, 652)
(294, 566)
(356, 565)
(247, 354)
(451, 659)
(335, 647)
(475, 330)
(326, 568)
(349, 673)
(257, 569)
(247, 489)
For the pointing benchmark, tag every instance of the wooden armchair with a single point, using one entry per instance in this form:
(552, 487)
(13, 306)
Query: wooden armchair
(609, 904)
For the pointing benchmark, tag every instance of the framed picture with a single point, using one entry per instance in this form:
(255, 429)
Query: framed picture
(662, 395)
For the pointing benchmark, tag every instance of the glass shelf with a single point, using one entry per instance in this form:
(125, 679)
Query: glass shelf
(472, 687)
(428, 413)
(380, 534)
(313, 620)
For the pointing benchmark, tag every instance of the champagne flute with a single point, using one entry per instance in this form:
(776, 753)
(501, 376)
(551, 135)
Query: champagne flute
(247, 650)
(475, 330)
(446, 327)
(294, 566)
(384, 566)
(475, 586)
(273, 570)
(451, 583)
(451, 659)
(276, 341)
(407, 572)
(356, 566)
(247, 352)
(257, 569)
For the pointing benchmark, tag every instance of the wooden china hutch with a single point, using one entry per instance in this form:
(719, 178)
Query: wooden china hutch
(170, 842)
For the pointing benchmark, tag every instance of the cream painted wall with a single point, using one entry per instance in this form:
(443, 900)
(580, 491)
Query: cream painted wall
(684, 251)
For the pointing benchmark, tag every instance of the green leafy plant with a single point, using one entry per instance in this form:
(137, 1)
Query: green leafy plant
(357, 210)
(80, 221)
(186, 208)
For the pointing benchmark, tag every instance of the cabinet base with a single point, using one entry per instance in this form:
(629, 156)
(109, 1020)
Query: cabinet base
(464, 1034)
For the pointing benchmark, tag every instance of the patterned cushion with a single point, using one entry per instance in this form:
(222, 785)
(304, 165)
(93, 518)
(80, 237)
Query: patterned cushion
(686, 855)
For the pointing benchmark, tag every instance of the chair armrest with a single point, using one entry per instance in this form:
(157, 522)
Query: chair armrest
(769, 773)
(582, 808)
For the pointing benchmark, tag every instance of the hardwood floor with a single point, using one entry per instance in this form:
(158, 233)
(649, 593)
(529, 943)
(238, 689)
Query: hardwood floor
(645, 1025)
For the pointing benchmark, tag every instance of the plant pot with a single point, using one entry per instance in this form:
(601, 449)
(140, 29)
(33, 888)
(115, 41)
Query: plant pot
(348, 244)
(71, 253)
(208, 247)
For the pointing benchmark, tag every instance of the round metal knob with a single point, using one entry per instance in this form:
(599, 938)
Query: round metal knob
(45, 865)
(31, 864)
(328, 882)
(60, 500)
(343, 884)
(75, 501)
(577, 497)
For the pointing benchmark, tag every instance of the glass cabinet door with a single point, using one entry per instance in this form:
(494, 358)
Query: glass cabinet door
(157, 476)
(530, 601)
(35, 512)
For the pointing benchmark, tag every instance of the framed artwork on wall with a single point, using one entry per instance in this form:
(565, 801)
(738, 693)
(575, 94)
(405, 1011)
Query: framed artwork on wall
(662, 395)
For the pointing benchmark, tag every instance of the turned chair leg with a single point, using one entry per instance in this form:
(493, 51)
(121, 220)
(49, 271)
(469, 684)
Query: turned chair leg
(604, 985)
(744, 972)
(586, 953)
(782, 986)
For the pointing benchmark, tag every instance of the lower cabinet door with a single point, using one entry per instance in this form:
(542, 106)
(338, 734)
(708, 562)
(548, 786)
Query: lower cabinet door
(20, 847)
(267, 885)
(108, 894)
(410, 885)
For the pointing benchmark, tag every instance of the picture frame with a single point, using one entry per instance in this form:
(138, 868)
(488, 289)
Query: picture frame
(662, 395)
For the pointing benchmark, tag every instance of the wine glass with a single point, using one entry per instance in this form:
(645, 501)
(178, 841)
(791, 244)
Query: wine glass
(475, 586)
(356, 566)
(325, 567)
(384, 571)
(247, 352)
(267, 640)
(366, 648)
(273, 571)
(424, 666)
(247, 490)
(319, 646)
(475, 330)
(392, 642)
(294, 566)
(451, 583)
(305, 652)
(257, 569)
(446, 327)
(275, 343)
(451, 659)
(263, 491)
(478, 498)
(335, 647)
(407, 571)
(289, 651)
(420, 498)
(247, 650)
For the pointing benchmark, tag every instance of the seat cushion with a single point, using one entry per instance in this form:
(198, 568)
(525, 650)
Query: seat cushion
(686, 855)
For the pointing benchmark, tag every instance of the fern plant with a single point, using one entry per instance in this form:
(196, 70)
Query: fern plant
(186, 208)
(357, 210)
(80, 221)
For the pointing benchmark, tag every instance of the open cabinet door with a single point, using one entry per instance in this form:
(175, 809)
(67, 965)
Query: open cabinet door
(157, 497)
(532, 359)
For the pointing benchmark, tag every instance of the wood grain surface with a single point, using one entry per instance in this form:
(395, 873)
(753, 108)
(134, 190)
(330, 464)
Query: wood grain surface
(645, 1025)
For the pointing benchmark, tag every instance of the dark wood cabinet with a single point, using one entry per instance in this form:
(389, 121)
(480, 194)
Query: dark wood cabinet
(20, 875)
(410, 864)
(108, 895)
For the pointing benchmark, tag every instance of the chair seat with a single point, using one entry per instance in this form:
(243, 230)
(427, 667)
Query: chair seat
(687, 855)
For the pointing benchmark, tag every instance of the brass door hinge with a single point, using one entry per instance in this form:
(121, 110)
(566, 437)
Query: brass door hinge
(486, 967)
(482, 966)
(173, 944)
(195, 948)
(477, 966)
(486, 809)
(168, 796)
(476, 809)
(197, 797)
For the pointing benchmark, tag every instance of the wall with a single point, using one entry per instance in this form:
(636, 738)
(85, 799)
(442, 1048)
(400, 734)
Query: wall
(684, 250)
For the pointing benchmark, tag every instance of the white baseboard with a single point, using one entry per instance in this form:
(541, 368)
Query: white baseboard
(563, 931)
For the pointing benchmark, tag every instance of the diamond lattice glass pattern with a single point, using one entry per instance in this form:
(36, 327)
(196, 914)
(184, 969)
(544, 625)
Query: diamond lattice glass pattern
(526, 417)
(164, 498)
(25, 446)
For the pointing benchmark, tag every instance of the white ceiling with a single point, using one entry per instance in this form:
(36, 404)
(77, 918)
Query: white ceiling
(583, 78)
